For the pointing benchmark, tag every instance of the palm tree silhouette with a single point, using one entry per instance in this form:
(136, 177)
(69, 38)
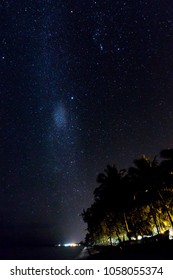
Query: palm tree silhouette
(132, 202)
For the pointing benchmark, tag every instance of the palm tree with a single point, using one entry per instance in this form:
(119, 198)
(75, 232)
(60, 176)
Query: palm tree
(148, 177)
(131, 202)
(114, 192)
(109, 182)
(143, 176)
(166, 175)
(93, 217)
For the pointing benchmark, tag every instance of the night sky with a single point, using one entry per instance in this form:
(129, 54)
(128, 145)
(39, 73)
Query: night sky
(83, 84)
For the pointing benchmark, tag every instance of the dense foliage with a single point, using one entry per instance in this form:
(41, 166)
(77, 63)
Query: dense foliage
(131, 203)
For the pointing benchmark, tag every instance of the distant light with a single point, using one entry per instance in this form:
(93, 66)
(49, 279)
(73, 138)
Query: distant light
(133, 238)
(70, 245)
(72, 97)
(170, 233)
(147, 236)
(139, 237)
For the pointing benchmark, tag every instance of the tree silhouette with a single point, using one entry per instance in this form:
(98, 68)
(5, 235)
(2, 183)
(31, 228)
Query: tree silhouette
(131, 203)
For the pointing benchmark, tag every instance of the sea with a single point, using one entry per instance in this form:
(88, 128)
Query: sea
(40, 252)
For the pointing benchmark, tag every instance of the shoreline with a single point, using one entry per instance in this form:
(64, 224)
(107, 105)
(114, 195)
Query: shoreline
(157, 250)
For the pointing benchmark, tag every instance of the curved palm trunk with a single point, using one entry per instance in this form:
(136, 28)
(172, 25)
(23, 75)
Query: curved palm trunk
(126, 226)
(110, 240)
(134, 228)
(118, 235)
(155, 218)
(165, 207)
(141, 218)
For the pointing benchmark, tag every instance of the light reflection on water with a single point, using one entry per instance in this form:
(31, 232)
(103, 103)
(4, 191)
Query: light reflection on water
(39, 253)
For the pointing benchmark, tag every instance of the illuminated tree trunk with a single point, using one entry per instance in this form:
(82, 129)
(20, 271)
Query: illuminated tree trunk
(117, 233)
(155, 218)
(142, 222)
(165, 207)
(126, 226)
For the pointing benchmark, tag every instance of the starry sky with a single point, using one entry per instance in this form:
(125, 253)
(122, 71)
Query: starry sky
(83, 84)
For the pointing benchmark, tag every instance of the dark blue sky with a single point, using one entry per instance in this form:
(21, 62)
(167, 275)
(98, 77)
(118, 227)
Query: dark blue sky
(84, 84)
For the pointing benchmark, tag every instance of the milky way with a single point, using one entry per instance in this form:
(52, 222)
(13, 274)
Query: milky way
(84, 84)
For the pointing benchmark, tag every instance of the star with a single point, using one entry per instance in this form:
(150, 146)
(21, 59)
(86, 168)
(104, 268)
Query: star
(101, 47)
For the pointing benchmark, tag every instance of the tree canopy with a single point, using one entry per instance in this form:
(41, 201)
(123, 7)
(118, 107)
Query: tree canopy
(132, 202)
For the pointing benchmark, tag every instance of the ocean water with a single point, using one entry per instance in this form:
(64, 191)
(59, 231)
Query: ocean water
(39, 253)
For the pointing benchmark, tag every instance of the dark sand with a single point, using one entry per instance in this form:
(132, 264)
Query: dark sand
(158, 250)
